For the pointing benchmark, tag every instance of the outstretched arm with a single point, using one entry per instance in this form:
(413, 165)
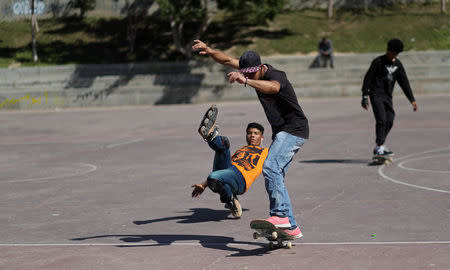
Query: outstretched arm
(198, 189)
(216, 55)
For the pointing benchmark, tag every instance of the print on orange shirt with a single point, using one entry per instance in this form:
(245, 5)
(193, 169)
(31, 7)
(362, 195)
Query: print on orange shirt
(249, 160)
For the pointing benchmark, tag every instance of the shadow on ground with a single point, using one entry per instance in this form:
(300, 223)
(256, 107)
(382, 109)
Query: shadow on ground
(198, 215)
(335, 161)
(207, 241)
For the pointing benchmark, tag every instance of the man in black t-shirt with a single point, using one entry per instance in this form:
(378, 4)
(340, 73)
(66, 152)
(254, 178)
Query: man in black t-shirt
(289, 125)
(378, 85)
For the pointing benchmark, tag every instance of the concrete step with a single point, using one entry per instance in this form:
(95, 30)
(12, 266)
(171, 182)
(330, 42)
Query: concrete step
(199, 81)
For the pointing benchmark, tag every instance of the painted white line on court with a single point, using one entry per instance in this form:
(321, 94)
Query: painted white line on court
(222, 244)
(380, 171)
(401, 164)
(382, 174)
(109, 146)
(90, 168)
(424, 152)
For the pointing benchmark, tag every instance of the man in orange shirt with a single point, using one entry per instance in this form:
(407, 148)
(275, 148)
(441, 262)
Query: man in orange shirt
(233, 175)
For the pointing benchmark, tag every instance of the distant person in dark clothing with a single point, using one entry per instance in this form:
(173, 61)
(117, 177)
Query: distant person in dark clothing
(326, 52)
(378, 85)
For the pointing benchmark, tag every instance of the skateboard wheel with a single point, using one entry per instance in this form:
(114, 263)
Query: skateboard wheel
(274, 235)
(206, 121)
(289, 244)
(210, 113)
(255, 235)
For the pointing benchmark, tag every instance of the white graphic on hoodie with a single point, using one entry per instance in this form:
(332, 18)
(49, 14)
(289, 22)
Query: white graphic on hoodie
(391, 70)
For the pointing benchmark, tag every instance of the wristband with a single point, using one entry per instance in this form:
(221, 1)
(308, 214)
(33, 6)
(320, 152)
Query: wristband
(246, 79)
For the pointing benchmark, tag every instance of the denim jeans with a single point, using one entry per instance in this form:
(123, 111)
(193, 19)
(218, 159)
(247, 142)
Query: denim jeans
(281, 151)
(225, 179)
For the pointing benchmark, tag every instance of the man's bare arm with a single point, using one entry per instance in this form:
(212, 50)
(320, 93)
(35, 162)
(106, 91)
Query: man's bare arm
(218, 56)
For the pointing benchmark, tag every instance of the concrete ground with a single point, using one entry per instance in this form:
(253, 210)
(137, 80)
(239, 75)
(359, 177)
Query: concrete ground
(110, 189)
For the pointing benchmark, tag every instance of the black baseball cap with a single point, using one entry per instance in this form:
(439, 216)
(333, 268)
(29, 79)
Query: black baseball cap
(249, 62)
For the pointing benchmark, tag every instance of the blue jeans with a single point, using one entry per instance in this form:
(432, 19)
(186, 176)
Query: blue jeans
(225, 179)
(281, 151)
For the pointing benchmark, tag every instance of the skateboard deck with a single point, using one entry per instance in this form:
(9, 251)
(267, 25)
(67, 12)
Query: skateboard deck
(380, 160)
(276, 236)
(208, 121)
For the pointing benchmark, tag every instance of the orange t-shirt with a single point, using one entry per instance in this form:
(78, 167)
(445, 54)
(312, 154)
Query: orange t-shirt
(249, 161)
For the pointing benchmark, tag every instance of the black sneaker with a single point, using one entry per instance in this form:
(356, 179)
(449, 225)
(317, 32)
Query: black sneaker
(235, 207)
(383, 151)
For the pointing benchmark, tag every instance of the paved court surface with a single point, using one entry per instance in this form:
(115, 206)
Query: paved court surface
(110, 189)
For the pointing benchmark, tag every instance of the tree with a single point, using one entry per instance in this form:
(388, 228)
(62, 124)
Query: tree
(189, 19)
(443, 6)
(330, 8)
(34, 29)
(83, 5)
(135, 11)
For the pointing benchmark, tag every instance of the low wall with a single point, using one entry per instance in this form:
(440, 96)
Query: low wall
(200, 81)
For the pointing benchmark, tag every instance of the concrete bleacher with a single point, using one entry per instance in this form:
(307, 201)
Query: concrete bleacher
(200, 80)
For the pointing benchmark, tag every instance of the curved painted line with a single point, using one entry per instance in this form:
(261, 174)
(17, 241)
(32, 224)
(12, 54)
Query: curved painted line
(91, 169)
(123, 143)
(400, 165)
(381, 173)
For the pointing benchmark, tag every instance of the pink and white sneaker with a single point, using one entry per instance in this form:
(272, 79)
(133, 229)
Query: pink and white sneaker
(279, 222)
(295, 233)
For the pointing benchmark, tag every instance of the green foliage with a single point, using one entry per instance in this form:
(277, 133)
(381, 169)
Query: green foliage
(83, 5)
(257, 12)
(189, 19)
(104, 40)
(182, 9)
(420, 27)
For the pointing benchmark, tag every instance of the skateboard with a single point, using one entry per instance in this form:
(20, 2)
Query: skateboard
(208, 122)
(276, 236)
(379, 160)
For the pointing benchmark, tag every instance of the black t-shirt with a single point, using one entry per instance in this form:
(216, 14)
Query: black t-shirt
(282, 109)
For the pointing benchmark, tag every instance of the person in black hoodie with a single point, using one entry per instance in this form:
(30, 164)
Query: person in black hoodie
(378, 86)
